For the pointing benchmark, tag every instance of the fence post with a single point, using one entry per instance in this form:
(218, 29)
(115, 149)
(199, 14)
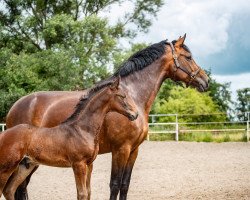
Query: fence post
(248, 119)
(2, 127)
(176, 128)
(153, 120)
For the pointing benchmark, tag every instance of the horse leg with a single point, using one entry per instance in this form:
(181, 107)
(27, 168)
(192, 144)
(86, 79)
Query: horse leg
(5, 173)
(89, 172)
(79, 169)
(127, 174)
(16, 179)
(119, 161)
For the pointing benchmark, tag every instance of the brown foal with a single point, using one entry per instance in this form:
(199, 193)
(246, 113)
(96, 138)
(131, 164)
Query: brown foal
(73, 143)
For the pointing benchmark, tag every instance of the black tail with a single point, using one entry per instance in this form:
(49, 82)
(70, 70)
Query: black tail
(21, 192)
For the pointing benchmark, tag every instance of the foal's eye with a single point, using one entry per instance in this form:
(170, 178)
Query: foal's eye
(189, 57)
(122, 96)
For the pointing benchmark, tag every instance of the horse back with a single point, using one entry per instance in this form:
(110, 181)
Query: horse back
(43, 109)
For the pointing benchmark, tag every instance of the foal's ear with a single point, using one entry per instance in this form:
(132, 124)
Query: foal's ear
(115, 84)
(180, 41)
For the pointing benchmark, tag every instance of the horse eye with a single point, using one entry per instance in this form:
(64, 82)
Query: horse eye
(188, 57)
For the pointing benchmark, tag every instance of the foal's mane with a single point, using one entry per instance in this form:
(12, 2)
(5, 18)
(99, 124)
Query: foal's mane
(83, 101)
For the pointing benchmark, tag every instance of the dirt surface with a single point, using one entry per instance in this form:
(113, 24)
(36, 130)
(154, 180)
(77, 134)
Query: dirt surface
(164, 170)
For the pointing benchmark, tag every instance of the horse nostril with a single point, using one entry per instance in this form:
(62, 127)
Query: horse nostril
(133, 117)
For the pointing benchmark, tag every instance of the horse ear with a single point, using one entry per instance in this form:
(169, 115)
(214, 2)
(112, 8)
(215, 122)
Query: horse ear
(180, 41)
(115, 84)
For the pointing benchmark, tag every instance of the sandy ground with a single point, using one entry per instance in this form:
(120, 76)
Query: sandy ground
(164, 170)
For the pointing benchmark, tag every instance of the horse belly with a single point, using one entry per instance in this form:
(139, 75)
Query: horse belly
(48, 156)
(57, 162)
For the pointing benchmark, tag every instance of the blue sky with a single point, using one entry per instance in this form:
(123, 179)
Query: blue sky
(218, 34)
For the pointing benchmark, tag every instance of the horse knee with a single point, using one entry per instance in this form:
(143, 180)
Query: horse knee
(82, 196)
(114, 188)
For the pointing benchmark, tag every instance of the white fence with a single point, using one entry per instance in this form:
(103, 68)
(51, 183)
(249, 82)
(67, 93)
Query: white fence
(176, 130)
(2, 127)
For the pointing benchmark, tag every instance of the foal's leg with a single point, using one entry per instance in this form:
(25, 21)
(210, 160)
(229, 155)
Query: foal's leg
(3, 179)
(79, 169)
(5, 173)
(127, 174)
(89, 172)
(119, 161)
(16, 179)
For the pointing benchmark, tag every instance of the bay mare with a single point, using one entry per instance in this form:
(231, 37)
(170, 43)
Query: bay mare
(73, 143)
(142, 75)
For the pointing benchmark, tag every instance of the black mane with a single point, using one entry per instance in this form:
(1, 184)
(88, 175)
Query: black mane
(142, 59)
(86, 98)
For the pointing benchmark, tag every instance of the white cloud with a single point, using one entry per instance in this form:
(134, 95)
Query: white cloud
(205, 22)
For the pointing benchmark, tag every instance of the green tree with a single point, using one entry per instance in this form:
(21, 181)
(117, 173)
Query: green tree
(189, 101)
(243, 103)
(62, 45)
(220, 93)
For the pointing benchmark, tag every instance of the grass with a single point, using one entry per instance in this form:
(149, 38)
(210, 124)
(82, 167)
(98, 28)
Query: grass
(201, 137)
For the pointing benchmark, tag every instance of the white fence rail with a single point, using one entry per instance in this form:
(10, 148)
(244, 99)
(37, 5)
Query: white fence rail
(177, 124)
(176, 130)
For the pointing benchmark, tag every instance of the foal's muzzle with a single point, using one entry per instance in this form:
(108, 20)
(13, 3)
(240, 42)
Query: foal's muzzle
(133, 117)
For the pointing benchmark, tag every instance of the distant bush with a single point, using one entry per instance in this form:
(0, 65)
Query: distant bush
(188, 101)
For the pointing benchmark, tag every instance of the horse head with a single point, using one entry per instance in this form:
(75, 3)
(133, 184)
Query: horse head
(122, 101)
(182, 67)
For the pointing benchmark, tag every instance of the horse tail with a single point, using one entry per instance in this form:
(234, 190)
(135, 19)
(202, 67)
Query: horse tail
(22, 192)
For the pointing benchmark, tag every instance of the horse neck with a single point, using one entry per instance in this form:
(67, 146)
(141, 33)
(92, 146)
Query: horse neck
(144, 84)
(92, 116)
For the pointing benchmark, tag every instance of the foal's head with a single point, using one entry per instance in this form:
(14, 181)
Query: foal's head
(121, 101)
(182, 67)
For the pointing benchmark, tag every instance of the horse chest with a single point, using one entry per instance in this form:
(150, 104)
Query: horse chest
(118, 130)
(83, 148)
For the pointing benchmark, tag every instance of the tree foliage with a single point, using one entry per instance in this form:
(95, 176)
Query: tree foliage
(243, 103)
(220, 93)
(189, 101)
(64, 44)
